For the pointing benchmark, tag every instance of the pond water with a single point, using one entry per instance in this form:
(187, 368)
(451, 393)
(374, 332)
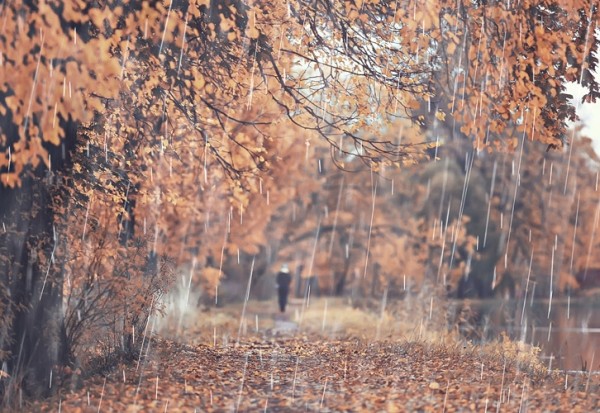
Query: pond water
(567, 331)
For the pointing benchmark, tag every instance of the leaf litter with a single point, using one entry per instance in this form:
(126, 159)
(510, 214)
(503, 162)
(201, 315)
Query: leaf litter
(314, 369)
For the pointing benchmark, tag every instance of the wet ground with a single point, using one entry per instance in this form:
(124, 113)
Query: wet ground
(308, 372)
(329, 357)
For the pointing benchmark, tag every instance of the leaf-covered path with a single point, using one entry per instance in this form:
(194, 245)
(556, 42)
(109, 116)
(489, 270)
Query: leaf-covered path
(314, 373)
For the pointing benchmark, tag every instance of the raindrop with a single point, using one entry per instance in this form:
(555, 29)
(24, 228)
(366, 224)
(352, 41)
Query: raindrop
(323, 396)
(101, 394)
(165, 29)
(294, 381)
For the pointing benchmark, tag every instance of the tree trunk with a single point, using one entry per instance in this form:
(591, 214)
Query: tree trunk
(340, 284)
(35, 339)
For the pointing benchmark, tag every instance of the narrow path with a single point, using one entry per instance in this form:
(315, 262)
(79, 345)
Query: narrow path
(281, 368)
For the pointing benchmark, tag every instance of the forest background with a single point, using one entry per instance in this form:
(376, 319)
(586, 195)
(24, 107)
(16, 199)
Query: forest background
(379, 147)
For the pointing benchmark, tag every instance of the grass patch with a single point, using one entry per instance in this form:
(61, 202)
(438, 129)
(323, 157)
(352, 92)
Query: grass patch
(334, 318)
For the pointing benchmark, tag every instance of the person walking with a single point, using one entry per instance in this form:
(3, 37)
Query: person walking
(283, 286)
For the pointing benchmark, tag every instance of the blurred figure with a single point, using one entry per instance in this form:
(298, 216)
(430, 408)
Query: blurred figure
(283, 286)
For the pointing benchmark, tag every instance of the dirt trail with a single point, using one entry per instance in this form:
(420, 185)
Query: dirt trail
(283, 367)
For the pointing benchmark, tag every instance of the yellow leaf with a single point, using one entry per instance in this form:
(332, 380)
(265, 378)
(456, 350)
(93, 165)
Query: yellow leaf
(199, 82)
(253, 33)
(451, 48)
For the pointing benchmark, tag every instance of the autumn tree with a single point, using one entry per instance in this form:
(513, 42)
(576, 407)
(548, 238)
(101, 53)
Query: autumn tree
(501, 79)
(526, 209)
(551, 218)
(505, 67)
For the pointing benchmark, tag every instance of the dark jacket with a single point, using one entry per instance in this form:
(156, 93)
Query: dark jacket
(283, 280)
